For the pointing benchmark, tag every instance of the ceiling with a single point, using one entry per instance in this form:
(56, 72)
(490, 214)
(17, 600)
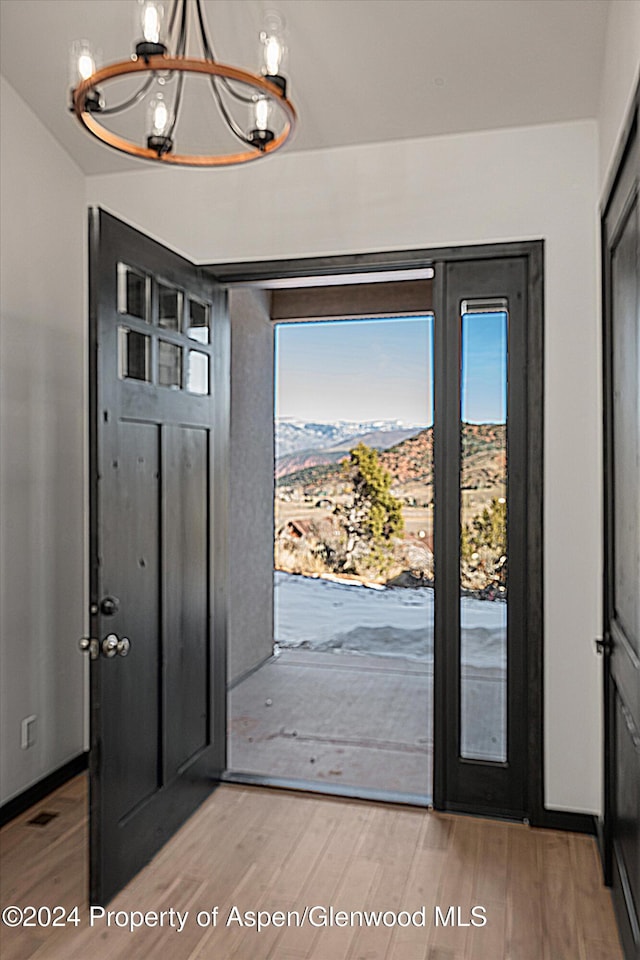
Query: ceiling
(360, 71)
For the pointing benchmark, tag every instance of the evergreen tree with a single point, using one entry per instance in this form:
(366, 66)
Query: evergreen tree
(373, 516)
(483, 544)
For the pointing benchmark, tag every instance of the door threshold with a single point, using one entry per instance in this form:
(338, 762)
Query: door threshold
(331, 790)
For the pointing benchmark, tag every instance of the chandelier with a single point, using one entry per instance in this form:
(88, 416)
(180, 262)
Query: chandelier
(252, 107)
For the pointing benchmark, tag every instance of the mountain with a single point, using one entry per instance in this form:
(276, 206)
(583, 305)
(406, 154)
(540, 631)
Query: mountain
(302, 459)
(294, 435)
(293, 463)
(411, 460)
(381, 439)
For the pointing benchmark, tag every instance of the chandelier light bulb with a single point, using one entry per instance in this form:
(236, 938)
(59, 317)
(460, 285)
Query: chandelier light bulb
(151, 17)
(272, 39)
(262, 112)
(83, 61)
(82, 65)
(86, 66)
(272, 55)
(159, 122)
(260, 134)
(159, 116)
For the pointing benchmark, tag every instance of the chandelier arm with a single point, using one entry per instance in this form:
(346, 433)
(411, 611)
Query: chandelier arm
(172, 21)
(234, 128)
(184, 30)
(206, 46)
(234, 93)
(210, 55)
(207, 49)
(176, 106)
(182, 46)
(131, 102)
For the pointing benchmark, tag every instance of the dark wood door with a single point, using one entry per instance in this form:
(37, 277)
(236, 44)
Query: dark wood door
(158, 396)
(488, 475)
(621, 269)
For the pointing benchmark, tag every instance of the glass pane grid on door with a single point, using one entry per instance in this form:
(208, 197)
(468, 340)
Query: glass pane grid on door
(170, 360)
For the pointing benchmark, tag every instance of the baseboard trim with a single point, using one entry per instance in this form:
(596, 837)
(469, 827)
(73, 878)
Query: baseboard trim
(567, 820)
(37, 791)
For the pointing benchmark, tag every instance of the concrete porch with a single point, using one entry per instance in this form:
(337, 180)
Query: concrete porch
(341, 719)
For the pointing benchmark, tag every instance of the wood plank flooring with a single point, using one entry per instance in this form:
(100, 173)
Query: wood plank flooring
(271, 850)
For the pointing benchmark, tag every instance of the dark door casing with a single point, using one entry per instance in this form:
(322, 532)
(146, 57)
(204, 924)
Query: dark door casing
(158, 356)
(621, 636)
(513, 271)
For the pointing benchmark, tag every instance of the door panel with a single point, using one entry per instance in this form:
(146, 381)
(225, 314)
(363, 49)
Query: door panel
(186, 576)
(626, 440)
(156, 448)
(482, 646)
(621, 270)
(130, 566)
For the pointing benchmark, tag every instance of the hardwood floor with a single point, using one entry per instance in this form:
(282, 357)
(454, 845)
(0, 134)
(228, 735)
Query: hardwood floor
(261, 849)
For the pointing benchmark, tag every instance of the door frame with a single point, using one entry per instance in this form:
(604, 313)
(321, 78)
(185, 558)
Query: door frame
(614, 205)
(286, 271)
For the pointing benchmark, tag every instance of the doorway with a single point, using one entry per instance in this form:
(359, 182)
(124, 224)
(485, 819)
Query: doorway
(345, 702)
(500, 772)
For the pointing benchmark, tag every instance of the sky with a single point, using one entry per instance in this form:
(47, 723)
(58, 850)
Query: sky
(383, 369)
(484, 368)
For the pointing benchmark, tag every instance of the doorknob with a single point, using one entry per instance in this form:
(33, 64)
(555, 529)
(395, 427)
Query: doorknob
(90, 646)
(112, 646)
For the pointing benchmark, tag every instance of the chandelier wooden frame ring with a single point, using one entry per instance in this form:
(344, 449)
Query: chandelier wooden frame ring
(163, 64)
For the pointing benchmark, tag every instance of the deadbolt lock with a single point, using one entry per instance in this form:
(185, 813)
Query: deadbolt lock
(113, 646)
(109, 606)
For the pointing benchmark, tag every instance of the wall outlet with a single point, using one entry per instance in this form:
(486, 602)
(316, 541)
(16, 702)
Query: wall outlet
(28, 732)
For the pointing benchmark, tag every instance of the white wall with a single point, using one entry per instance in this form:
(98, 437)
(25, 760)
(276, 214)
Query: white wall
(42, 362)
(529, 183)
(619, 77)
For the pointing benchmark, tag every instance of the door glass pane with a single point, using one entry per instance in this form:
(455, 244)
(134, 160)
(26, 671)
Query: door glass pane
(198, 373)
(134, 355)
(169, 307)
(132, 293)
(483, 526)
(198, 321)
(169, 365)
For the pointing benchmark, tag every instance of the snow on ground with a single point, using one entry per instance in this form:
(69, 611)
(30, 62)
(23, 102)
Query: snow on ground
(324, 615)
